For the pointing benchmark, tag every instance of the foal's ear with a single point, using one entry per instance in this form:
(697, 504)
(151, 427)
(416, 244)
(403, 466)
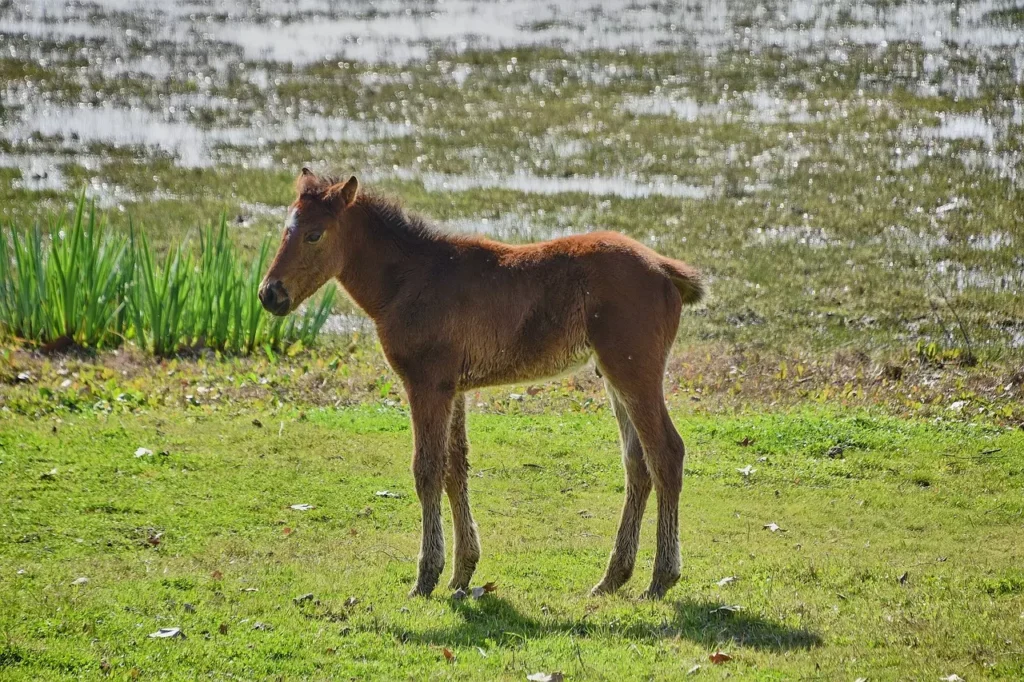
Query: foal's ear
(342, 196)
(307, 182)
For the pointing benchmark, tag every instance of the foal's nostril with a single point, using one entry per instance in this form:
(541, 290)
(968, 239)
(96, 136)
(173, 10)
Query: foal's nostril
(274, 297)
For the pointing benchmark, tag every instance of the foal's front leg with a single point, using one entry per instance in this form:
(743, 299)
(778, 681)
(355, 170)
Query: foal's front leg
(431, 417)
(467, 542)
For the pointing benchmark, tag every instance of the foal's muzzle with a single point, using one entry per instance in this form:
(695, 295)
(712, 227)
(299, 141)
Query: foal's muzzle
(274, 298)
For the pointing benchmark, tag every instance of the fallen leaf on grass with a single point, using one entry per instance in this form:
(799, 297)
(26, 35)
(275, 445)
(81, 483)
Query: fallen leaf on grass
(165, 633)
(482, 652)
(478, 592)
(49, 475)
(387, 493)
(448, 655)
(546, 677)
(746, 471)
(303, 507)
(154, 539)
(142, 452)
(286, 530)
(719, 657)
(694, 670)
(216, 575)
(249, 589)
(80, 581)
(726, 608)
(773, 527)
(952, 678)
(726, 580)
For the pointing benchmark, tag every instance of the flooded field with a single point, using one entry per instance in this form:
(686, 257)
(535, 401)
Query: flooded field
(824, 163)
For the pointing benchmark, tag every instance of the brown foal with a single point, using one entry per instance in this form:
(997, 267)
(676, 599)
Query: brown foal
(455, 313)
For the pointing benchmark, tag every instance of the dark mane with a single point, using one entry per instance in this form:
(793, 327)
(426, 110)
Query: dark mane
(387, 212)
(392, 217)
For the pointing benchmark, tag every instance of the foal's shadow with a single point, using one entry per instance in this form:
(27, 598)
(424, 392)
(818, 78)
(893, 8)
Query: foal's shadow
(494, 618)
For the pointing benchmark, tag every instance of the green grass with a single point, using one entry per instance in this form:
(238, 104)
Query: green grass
(87, 285)
(941, 503)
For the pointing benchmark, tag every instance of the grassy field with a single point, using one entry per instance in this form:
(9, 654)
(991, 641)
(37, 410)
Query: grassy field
(849, 180)
(899, 554)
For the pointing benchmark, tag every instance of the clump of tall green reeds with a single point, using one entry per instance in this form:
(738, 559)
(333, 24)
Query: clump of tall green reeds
(83, 283)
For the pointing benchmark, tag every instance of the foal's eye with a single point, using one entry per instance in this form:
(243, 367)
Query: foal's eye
(314, 237)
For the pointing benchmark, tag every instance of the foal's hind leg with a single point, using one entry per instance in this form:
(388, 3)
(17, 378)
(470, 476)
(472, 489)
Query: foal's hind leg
(467, 544)
(664, 453)
(635, 367)
(638, 488)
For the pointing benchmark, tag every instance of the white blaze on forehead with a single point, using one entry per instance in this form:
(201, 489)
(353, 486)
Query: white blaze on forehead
(291, 221)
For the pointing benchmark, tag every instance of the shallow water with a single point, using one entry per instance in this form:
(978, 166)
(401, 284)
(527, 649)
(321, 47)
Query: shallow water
(528, 183)
(306, 31)
(349, 323)
(190, 145)
(213, 43)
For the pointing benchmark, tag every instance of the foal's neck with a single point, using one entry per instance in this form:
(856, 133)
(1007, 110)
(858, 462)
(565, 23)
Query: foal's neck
(381, 250)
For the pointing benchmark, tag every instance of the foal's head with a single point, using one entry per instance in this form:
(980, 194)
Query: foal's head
(309, 254)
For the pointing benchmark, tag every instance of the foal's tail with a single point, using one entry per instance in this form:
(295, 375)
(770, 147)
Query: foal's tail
(687, 280)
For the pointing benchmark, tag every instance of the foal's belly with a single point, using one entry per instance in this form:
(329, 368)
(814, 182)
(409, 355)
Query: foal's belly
(538, 350)
(497, 373)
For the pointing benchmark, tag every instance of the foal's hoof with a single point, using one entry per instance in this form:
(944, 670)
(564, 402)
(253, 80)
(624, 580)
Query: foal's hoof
(603, 588)
(458, 582)
(419, 591)
(657, 589)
